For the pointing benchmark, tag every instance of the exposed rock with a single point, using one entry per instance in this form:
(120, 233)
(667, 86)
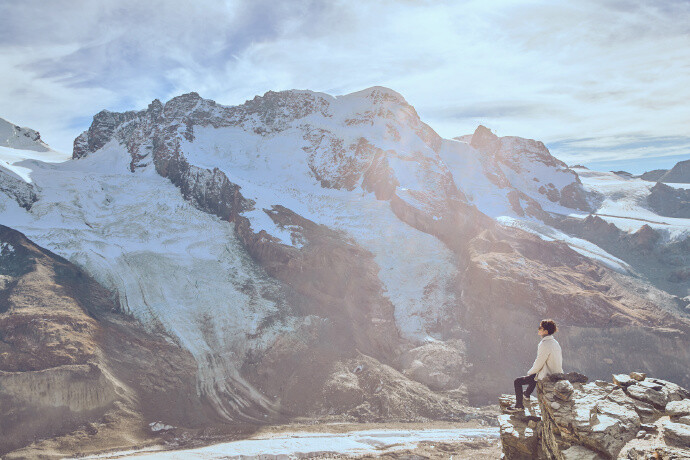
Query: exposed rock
(668, 201)
(599, 421)
(576, 452)
(677, 433)
(645, 238)
(519, 441)
(680, 173)
(623, 380)
(663, 263)
(653, 175)
(572, 377)
(657, 453)
(22, 192)
(437, 365)
(648, 394)
(678, 408)
(484, 140)
(508, 156)
(563, 390)
(502, 273)
(672, 391)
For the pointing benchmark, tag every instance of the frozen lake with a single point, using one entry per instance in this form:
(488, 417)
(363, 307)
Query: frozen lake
(307, 445)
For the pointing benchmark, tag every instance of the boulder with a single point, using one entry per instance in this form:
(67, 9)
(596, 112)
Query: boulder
(678, 408)
(572, 377)
(672, 391)
(651, 394)
(677, 434)
(639, 376)
(563, 390)
(519, 441)
(623, 380)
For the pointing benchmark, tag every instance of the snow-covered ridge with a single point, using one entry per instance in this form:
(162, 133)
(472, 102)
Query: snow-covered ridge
(624, 203)
(16, 137)
(18, 144)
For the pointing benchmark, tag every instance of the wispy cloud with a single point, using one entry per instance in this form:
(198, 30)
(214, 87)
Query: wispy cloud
(608, 71)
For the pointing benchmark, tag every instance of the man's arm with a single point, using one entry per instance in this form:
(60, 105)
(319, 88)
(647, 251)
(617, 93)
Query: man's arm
(542, 354)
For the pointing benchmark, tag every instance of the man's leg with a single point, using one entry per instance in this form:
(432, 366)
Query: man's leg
(518, 383)
(531, 385)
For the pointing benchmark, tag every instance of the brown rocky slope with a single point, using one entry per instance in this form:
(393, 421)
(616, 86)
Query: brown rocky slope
(69, 363)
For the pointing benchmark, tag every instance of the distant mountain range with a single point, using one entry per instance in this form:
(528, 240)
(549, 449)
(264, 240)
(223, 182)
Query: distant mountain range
(304, 255)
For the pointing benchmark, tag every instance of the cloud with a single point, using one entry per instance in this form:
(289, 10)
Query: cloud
(554, 71)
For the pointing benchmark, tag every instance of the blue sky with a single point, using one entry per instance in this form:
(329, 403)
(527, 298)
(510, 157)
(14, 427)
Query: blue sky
(605, 83)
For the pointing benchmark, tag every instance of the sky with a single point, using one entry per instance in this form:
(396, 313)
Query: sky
(605, 84)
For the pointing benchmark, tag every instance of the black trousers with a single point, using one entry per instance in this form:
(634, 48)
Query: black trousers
(530, 381)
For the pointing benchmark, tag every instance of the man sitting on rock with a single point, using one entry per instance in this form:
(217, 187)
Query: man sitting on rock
(549, 361)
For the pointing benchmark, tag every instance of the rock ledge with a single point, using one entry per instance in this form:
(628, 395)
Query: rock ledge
(634, 417)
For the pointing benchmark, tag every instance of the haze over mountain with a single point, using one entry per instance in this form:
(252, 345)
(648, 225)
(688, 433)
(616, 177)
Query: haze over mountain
(318, 256)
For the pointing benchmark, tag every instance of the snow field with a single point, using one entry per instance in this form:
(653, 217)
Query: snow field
(416, 268)
(625, 204)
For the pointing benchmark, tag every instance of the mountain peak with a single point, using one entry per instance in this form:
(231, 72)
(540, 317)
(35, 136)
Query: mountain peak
(483, 139)
(379, 95)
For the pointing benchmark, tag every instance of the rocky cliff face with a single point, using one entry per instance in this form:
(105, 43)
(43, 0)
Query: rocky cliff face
(634, 417)
(24, 194)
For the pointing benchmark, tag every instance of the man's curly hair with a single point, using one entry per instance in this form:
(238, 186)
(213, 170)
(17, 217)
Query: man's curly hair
(548, 325)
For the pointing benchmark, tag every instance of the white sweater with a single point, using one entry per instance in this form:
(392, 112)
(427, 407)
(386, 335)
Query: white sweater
(549, 358)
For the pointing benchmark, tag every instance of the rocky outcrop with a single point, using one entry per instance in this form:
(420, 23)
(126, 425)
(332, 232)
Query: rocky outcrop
(669, 201)
(654, 175)
(633, 417)
(22, 192)
(680, 173)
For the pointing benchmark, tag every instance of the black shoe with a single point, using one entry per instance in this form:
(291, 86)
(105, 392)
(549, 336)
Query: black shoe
(514, 409)
(526, 395)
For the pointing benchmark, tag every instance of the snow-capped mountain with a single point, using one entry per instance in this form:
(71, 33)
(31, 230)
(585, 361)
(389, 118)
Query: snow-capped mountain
(323, 255)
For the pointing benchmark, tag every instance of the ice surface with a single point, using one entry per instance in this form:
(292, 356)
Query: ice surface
(14, 160)
(311, 445)
(171, 264)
